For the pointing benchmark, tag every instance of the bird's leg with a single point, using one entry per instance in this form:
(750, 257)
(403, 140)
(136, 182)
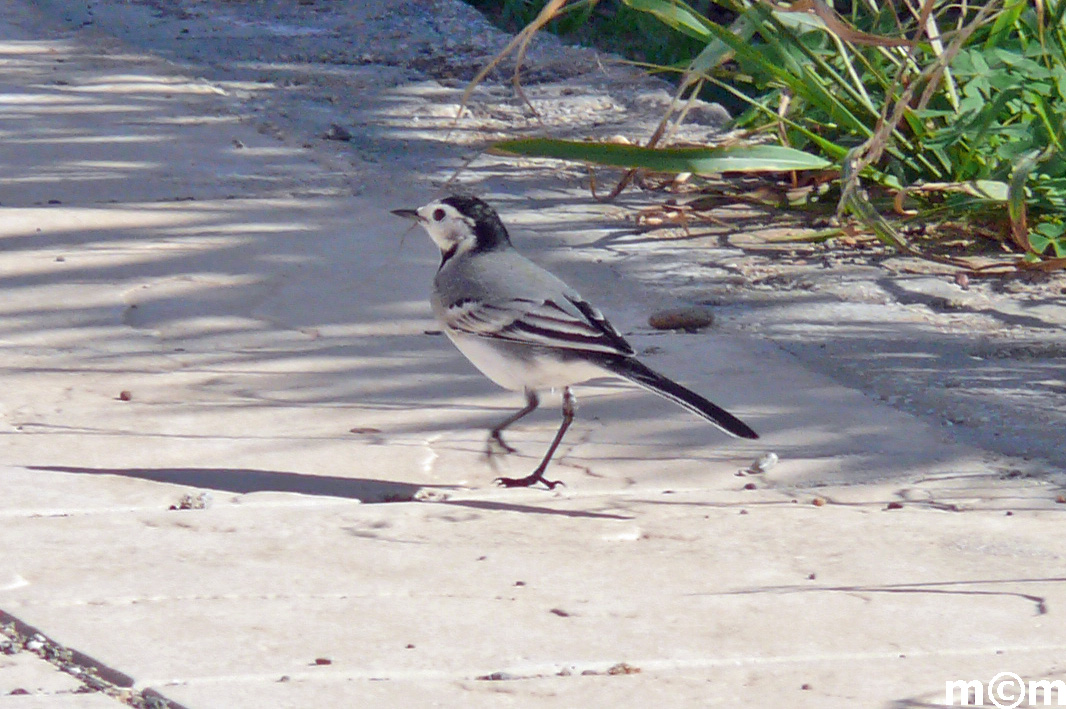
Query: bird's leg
(495, 435)
(537, 476)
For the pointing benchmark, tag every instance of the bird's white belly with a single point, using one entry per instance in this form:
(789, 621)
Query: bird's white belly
(518, 373)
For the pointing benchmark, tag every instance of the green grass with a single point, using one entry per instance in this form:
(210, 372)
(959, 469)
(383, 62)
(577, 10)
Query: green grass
(609, 25)
(958, 111)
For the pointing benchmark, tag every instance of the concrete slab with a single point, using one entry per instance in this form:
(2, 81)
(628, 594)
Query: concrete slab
(242, 467)
(25, 674)
(61, 701)
(678, 585)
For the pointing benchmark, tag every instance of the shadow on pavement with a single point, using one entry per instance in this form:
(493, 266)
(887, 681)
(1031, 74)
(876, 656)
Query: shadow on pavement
(243, 481)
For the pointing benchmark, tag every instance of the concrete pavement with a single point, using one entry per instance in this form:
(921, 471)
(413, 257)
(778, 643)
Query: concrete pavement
(201, 312)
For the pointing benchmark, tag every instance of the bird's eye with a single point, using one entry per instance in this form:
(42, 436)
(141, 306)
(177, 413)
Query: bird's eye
(438, 215)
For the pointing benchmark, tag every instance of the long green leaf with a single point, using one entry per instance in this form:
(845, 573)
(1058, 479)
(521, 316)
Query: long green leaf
(703, 161)
(675, 14)
(1005, 22)
(716, 51)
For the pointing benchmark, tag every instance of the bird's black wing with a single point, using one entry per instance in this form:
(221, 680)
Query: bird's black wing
(566, 323)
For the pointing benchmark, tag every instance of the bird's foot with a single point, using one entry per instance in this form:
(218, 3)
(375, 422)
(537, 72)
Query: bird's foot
(529, 481)
(496, 443)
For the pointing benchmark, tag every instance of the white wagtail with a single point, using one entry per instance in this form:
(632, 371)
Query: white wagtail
(525, 329)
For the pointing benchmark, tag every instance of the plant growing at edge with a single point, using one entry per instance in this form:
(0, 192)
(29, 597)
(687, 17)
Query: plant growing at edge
(959, 108)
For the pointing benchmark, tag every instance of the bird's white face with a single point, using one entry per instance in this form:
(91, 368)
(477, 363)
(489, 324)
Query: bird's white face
(450, 230)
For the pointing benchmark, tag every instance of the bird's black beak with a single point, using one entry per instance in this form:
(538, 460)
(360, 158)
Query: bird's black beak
(407, 214)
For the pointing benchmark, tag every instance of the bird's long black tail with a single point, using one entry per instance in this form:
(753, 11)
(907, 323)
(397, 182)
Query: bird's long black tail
(631, 369)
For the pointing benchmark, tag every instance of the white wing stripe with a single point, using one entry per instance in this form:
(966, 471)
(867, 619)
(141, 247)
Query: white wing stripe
(575, 327)
(544, 323)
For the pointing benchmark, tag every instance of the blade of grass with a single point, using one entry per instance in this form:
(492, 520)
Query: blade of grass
(675, 14)
(1016, 207)
(520, 41)
(800, 80)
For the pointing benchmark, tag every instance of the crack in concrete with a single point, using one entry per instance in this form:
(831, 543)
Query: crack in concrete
(929, 587)
(94, 676)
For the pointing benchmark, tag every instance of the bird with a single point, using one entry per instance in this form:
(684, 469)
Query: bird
(527, 330)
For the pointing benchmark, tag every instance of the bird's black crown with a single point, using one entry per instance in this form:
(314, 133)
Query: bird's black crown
(488, 229)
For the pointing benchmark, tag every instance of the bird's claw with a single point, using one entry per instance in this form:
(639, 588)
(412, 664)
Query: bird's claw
(528, 481)
(495, 439)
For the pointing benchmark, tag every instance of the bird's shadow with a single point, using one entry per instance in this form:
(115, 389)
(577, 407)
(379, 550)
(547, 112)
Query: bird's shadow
(243, 481)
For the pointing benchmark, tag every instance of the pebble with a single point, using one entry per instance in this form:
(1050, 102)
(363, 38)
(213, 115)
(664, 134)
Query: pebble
(498, 677)
(689, 319)
(337, 132)
(763, 463)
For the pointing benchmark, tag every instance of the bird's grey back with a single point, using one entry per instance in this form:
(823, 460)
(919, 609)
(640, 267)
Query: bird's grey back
(501, 274)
